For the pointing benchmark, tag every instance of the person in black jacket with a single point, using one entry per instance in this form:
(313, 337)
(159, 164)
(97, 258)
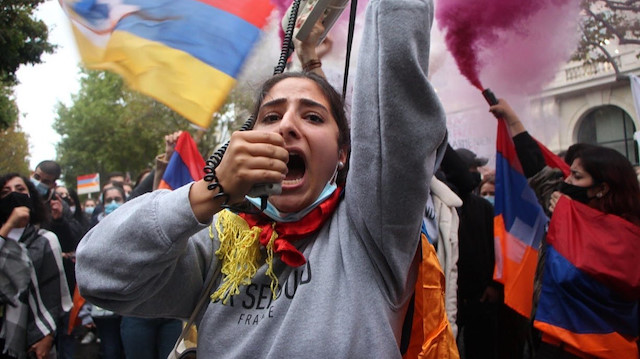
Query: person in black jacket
(600, 178)
(69, 231)
(479, 297)
(29, 321)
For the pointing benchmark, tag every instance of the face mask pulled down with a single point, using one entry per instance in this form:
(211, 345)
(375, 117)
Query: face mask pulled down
(273, 213)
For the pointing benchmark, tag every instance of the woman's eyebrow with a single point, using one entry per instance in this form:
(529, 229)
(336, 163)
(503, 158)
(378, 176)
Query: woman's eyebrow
(274, 102)
(305, 101)
(312, 103)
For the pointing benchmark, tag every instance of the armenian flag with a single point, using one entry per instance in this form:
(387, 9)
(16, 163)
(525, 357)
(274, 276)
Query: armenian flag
(591, 283)
(184, 53)
(185, 166)
(88, 183)
(519, 226)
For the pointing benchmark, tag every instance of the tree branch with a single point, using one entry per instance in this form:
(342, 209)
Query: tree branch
(610, 58)
(622, 39)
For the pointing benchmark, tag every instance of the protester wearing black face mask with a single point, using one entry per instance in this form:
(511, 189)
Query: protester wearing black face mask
(580, 194)
(474, 163)
(12, 201)
(43, 300)
(479, 297)
(602, 179)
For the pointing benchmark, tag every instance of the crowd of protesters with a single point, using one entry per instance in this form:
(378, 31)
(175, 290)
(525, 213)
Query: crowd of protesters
(54, 219)
(43, 314)
(42, 223)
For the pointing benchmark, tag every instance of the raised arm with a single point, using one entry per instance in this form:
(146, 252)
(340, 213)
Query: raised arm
(308, 53)
(504, 111)
(397, 125)
(527, 148)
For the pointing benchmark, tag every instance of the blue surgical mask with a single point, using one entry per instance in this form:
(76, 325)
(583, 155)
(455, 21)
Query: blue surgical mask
(491, 198)
(89, 210)
(112, 206)
(41, 187)
(278, 216)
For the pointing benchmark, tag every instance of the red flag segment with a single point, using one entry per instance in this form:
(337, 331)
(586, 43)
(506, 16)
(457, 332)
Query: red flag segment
(604, 246)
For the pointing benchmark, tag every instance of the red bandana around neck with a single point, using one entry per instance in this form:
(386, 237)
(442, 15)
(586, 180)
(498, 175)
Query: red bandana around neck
(290, 231)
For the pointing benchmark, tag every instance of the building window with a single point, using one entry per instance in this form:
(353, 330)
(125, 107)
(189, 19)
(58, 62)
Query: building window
(610, 126)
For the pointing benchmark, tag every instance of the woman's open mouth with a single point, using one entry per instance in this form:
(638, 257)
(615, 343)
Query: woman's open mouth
(296, 168)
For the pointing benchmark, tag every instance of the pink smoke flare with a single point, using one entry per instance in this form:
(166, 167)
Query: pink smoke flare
(472, 26)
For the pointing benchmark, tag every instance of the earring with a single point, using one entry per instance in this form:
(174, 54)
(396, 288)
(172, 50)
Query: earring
(599, 194)
(340, 165)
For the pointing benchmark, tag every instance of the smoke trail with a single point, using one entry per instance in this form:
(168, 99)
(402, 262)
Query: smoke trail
(526, 61)
(472, 26)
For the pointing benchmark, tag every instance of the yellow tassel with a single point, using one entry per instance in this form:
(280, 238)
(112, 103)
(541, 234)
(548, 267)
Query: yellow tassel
(274, 278)
(239, 253)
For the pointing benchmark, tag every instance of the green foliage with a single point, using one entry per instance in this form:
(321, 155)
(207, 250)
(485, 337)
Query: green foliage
(111, 128)
(231, 116)
(15, 150)
(607, 21)
(8, 107)
(22, 38)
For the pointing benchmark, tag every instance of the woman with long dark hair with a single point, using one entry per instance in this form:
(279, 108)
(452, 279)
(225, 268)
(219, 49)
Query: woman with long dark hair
(610, 182)
(328, 269)
(588, 256)
(29, 323)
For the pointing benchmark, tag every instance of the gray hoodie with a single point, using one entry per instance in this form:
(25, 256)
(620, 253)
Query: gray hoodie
(152, 257)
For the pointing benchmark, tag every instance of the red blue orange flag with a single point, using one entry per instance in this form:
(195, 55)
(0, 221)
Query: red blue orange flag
(591, 283)
(185, 166)
(89, 183)
(552, 160)
(519, 226)
(184, 53)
